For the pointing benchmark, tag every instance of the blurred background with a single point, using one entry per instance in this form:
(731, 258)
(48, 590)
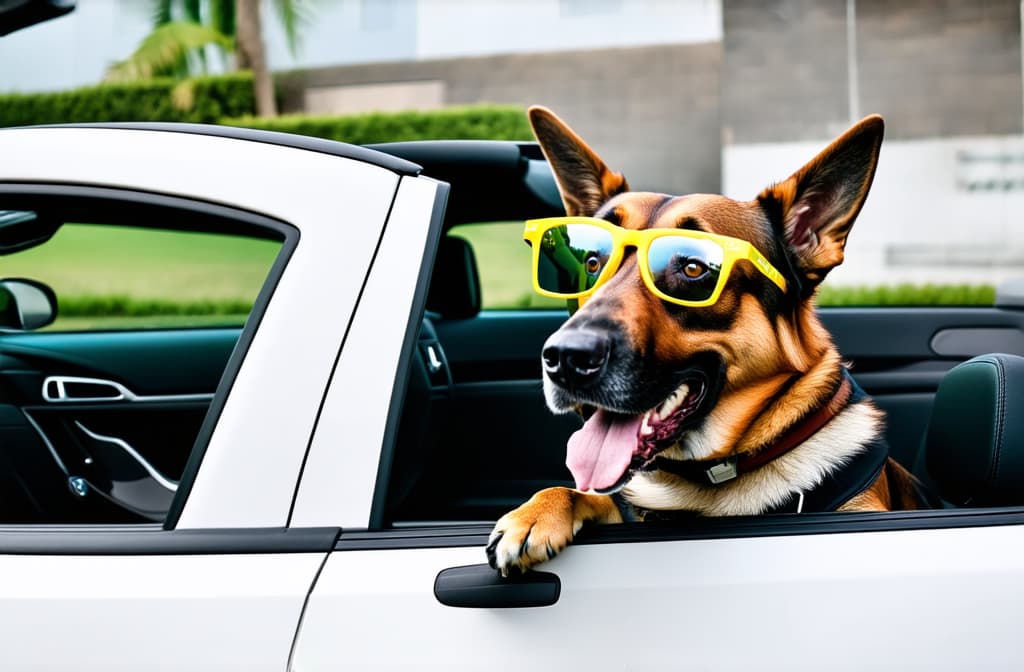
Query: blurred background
(681, 95)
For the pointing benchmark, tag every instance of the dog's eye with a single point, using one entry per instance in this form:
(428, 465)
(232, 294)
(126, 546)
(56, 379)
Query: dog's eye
(592, 263)
(694, 269)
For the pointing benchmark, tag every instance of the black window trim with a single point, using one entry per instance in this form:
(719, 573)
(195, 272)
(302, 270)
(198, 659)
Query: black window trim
(444, 535)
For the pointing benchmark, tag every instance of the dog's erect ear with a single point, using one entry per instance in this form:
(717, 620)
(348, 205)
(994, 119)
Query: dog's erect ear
(584, 181)
(817, 205)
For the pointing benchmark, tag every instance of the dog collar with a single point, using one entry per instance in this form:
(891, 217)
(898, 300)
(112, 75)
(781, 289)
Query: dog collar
(715, 472)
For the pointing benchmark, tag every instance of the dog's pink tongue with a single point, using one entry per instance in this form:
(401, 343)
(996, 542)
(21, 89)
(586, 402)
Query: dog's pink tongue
(599, 453)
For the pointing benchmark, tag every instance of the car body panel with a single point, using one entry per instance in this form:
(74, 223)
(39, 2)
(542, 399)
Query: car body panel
(340, 473)
(827, 601)
(158, 612)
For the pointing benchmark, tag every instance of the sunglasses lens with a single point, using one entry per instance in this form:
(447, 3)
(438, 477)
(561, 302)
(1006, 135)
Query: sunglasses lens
(572, 258)
(687, 269)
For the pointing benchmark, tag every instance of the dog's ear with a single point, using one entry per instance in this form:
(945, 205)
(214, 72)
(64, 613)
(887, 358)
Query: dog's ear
(584, 180)
(815, 208)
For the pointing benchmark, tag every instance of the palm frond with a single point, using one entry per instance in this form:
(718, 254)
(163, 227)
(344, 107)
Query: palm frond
(161, 11)
(293, 14)
(166, 51)
(222, 16)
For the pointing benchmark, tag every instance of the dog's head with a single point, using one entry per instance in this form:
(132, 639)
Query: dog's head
(655, 377)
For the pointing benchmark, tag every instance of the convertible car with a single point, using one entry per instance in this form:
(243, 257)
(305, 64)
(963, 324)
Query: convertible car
(296, 462)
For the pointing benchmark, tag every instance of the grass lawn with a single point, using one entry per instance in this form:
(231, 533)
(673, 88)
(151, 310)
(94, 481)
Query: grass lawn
(504, 262)
(84, 260)
(137, 276)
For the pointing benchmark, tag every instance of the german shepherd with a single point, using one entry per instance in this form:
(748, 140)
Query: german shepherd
(739, 407)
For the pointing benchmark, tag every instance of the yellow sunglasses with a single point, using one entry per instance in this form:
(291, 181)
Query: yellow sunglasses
(573, 256)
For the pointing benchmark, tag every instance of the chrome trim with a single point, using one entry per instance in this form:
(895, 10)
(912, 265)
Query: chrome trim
(150, 469)
(120, 392)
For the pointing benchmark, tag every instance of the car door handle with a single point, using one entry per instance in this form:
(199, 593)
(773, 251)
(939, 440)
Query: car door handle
(481, 587)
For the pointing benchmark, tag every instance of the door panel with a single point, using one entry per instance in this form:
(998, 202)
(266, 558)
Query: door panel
(152, 612)
(111, 449)
(835, 601)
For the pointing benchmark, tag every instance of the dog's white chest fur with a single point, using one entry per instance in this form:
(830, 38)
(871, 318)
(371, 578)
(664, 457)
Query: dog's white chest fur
(799, 470)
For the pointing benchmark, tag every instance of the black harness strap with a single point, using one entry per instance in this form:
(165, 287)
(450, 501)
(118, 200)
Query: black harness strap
(842, 485)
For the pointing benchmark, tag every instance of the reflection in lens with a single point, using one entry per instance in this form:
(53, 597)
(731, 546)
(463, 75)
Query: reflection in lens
(668, 257)
(572, 258)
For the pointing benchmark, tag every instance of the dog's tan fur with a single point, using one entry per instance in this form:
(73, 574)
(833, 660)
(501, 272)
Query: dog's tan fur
(780, 364)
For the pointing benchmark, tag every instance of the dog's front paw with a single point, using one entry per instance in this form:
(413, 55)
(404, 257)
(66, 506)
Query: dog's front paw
(536, 531)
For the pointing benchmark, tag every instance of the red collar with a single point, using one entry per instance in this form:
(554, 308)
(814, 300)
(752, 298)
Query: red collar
(721, 471)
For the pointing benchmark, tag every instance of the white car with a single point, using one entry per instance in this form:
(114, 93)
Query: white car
(310, 484)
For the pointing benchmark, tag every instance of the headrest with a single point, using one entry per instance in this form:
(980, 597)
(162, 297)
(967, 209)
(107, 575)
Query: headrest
(455, 284)
(975, 442)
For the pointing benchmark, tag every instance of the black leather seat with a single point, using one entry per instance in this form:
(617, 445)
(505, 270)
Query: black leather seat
(975, 441)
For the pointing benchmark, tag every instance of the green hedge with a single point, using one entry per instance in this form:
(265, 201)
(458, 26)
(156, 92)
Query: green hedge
(203, 99)
(125, 306)
(479, 122)
(908, 295)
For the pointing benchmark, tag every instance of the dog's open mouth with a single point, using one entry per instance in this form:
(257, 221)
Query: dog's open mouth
(610, 446)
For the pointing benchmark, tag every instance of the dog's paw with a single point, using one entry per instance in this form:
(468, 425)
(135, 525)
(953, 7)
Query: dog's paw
(536, 531)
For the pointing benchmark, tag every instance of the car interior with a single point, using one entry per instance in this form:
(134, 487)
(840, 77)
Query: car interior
(476, 438)
(98, 426)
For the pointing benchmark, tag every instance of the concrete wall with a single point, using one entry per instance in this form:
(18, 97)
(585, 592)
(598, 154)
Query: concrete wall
(791, 72)
(651, 112)
(948, 197)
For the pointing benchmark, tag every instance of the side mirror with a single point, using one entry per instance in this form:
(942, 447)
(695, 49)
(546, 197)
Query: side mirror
(26, 304)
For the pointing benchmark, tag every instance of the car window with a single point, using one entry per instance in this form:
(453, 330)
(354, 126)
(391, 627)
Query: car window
(126, 277)
(503, 260)
(102, 408)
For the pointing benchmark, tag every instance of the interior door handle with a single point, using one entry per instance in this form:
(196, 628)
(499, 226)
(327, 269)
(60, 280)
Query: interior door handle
(481, 587)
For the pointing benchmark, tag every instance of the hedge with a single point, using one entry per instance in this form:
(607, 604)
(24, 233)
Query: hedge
(202, 99)
(908, 295)
(479, 122)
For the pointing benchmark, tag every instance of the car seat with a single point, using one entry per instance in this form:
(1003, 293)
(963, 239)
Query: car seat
(974, 448)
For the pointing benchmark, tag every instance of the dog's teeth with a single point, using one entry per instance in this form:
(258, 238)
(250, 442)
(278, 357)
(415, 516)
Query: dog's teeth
(672, 403)
(645, 428)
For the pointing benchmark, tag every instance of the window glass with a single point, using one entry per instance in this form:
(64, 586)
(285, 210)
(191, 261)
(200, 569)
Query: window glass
(119, 277)
(100, 410)
(503, 260)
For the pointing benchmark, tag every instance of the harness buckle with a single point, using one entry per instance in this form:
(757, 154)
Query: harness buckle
(722, 472)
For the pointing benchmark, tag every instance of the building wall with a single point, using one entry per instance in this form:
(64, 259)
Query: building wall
(946, 201)
(933, 69)
(651, 112)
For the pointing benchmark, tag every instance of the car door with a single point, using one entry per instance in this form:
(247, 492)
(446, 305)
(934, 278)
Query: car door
(811, 591)
(220, 580)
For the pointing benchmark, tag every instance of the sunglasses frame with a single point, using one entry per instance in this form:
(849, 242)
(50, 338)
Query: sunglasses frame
(734, 249)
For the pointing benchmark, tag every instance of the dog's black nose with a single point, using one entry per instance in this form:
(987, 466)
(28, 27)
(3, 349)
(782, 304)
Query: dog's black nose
(575, 356)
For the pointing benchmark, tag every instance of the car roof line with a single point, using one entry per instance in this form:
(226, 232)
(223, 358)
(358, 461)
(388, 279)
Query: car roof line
(304, 142)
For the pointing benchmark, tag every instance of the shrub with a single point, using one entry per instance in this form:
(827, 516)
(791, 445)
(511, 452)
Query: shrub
(213, 98)
(481, 122)
(908, 295)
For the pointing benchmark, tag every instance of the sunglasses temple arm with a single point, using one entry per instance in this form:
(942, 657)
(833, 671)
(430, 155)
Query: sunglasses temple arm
(765, 266)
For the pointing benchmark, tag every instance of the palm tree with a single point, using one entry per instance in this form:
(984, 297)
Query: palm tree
(185, 31)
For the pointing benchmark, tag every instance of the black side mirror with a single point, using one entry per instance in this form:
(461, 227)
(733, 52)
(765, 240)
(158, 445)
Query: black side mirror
(26, 304)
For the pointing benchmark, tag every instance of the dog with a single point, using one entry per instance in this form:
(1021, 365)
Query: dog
(707, 382)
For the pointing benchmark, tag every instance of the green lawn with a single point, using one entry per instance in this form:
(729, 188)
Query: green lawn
(146, 277)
